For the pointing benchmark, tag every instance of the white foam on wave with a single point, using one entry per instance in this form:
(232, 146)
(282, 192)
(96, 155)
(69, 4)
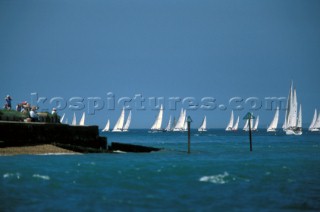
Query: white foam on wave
(61, 153)
(216, 179)
(12, 175)
(43, 177)
(119, 151)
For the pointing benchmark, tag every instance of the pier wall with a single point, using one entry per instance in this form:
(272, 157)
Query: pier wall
(28, 134)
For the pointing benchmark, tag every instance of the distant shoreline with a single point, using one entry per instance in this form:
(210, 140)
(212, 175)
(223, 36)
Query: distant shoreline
(35, 150)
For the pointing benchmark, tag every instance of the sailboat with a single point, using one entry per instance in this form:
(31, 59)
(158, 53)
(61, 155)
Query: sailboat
(107, 127)
(127, 125)
(203, 127)
(293, 119)
(158, 122)
(169, 128)
(256, 123)
(315, 124)
(273, 126)
(81, 123)
(236, 125)
(230, 125)
(119, 124)
(74, 120)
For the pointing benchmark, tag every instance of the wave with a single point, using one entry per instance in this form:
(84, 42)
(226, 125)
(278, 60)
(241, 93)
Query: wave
(216, 179)
(44, 177)
(12, 175)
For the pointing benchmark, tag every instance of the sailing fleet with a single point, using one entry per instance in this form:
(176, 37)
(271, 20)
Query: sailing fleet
(292, 120)
(292, 124)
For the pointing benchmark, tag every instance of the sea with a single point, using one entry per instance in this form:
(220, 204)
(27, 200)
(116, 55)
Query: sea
(281, 173)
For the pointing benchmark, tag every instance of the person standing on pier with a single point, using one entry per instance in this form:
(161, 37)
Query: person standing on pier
(8, 102)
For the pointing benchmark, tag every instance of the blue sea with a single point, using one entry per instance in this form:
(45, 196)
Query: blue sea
(282, 173)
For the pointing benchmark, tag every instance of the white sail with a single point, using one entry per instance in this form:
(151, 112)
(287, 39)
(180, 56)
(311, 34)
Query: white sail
(292, 107)
(256, 123)
(236, 125)
(185, 125)
(288, 109)
(251, 123)
(74, 120)
(299, 120)
(81, 123)
(273, 126)
(230, 125)
(180, 123)
(157, 124)
(203, 126)
(62, 118)
(127, 125)
(119, 124)
(107, 127)
(316, 126)
(246, 125)
(313, 120)
(173, 123)
(168, 128)
(294, 110)
(284, 126)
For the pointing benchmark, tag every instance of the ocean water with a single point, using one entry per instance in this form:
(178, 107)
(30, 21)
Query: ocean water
(282, 173)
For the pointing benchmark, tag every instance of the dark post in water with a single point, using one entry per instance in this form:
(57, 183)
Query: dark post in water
(189, 120)
(250, 135)
(249, 116)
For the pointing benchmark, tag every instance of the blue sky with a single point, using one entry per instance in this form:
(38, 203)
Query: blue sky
(167, 48)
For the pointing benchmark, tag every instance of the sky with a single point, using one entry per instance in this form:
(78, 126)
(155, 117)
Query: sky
(84, 55)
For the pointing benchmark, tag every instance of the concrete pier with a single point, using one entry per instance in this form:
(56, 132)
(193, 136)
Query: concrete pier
(27, 134)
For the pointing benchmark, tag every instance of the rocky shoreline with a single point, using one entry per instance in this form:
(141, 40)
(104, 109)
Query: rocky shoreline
(35, 150)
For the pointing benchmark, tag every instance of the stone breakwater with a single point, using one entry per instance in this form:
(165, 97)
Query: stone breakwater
(77, 138)
(82, 139)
